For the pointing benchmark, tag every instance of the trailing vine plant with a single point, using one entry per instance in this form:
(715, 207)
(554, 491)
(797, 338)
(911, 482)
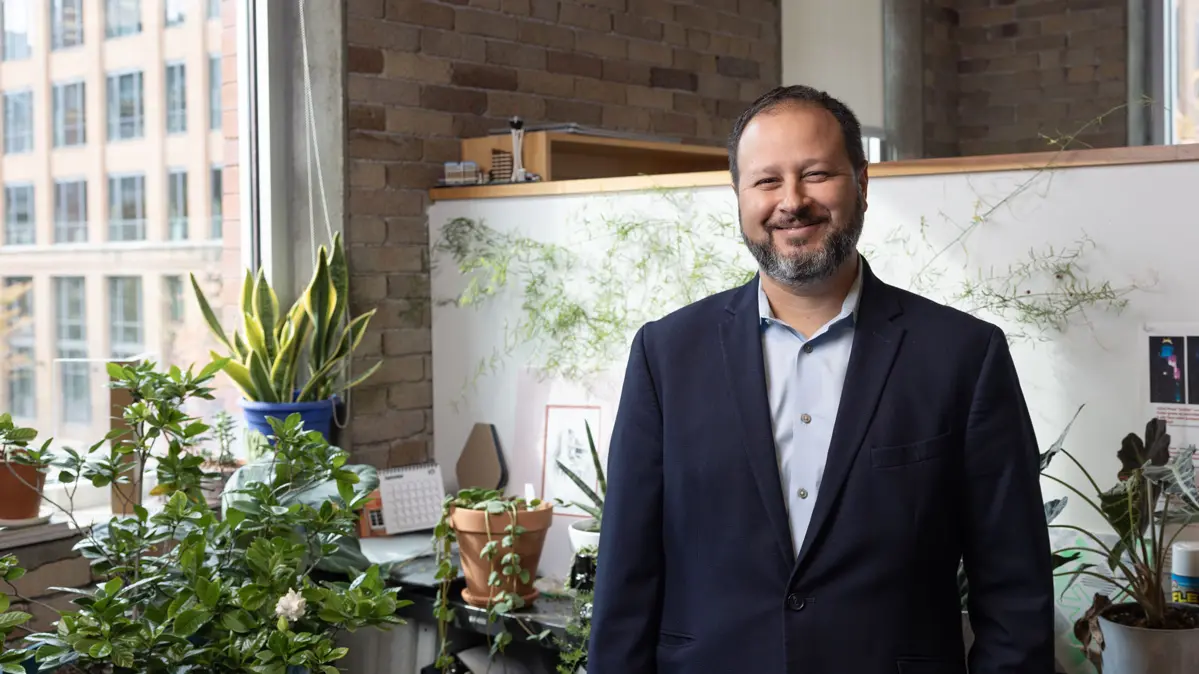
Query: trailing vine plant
(581, 300)
(502, 581)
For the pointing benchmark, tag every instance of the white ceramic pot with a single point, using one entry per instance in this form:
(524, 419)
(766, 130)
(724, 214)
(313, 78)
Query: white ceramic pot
(580, 537)
(1136, 650)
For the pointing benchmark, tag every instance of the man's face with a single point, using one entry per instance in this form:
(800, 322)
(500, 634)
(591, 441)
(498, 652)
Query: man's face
(801, 205)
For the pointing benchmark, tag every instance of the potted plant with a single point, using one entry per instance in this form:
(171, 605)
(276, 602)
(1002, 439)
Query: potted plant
(586, 532)
(22, 473)
(295, 361)
(185, 590)
(219, 467)
(1139, 630)
(500, 539)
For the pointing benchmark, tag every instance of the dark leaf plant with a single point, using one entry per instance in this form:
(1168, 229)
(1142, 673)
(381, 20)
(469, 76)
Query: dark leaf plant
(596, 508)
(1148, 479)
(1052, 510)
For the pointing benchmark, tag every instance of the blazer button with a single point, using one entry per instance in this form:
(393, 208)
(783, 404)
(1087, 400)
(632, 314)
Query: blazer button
(795, 602)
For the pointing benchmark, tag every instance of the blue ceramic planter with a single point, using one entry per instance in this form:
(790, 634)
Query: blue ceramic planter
(317, 416)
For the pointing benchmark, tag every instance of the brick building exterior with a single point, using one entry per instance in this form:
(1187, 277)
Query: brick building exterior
(424, 73)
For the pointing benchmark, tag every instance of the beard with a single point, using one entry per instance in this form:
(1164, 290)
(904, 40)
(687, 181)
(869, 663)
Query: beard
(838, 243)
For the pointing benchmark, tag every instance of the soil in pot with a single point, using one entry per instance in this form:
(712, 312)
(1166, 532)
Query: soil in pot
(475, 529)
(17, 500)
(1131, 615)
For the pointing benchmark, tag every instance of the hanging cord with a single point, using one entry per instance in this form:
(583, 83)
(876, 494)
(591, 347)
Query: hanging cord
(312, 152)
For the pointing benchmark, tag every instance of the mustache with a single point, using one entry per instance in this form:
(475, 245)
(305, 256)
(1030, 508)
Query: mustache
(804, 218)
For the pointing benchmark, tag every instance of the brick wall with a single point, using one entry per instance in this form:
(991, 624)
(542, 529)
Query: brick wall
(941, 55)
(425, 73)
(1030, 69)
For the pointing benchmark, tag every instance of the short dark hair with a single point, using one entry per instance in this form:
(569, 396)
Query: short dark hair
(851, 130)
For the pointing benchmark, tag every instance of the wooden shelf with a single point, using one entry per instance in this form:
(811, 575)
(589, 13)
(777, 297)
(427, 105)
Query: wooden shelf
(571, 156)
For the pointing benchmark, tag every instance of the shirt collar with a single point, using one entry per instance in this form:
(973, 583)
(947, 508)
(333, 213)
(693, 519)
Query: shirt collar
(849, 307)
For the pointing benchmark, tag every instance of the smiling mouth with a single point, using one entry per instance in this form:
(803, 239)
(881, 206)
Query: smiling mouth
(797, 226)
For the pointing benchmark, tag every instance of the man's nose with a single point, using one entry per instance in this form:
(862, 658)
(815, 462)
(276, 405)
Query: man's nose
(795, 197)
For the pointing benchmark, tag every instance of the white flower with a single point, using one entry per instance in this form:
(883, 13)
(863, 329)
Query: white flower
(290, 606)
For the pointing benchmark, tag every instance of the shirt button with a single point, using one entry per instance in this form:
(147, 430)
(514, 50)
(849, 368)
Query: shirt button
(795, 602)
(806, 418)
(803, 493)
(807, 348)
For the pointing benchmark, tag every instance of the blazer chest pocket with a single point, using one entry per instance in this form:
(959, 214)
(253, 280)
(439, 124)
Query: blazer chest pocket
(914, 452)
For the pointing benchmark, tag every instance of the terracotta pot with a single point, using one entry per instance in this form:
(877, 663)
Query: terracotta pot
(472, 527)
(17, 500)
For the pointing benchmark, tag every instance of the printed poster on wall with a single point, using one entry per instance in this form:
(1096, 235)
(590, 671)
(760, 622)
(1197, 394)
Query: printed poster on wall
(1170, 383)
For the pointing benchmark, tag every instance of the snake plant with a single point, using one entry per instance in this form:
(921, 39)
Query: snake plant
(267, 352)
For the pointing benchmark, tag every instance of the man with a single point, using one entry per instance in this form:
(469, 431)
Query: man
(799, 464)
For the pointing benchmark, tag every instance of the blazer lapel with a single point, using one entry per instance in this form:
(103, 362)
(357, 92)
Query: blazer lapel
(741, 342)
(875, 344)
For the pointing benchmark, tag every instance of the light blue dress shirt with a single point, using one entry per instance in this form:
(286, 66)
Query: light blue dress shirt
(804, 378)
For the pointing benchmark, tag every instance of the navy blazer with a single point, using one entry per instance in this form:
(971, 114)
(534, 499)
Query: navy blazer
(932, 459)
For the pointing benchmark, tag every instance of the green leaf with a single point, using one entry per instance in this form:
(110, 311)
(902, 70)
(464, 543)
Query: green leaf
(12, 619)
(1177, 476)
(190, 621)
(214, 325)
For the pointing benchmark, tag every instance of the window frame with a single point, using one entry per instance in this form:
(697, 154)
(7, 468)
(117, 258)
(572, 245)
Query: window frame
(115, 117)
(20, 344)
(175, 92)
(58, 31)
(29, 228)
(71, 352)
(116, 201)
(65, 230)
(62, 128)
(177, 207)
(24, 51)
(11, 101)
(117, 18)
(120, 348)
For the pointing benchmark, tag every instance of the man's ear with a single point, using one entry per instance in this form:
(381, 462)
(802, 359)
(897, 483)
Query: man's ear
(863, 184)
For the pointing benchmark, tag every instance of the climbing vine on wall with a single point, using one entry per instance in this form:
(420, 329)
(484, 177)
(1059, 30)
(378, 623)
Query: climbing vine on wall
(581, 301)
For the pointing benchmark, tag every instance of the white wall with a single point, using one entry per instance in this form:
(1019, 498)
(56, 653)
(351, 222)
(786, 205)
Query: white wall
(1140, 218)
(837, 46)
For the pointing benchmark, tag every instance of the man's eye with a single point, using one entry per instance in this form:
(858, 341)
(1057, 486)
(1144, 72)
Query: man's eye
(816, 174)
(763, 181)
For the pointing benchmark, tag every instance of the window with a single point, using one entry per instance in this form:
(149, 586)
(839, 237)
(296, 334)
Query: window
(70, 304)
(122, 17)
(172, 289)
(214, 9)
(126, 115)
(127, 207)
(174, 14)
(14, 14)
(18, 122)
(217, 229)
(125, 316)
(176, 98)
(66, 24)
(70, 211)
(70, 105)
(177, 204)
(22, 401)
(214, 92)
(18, 215)
(1177, 82)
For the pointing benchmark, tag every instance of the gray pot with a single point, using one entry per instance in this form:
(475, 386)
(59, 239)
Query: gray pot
(1136, 650)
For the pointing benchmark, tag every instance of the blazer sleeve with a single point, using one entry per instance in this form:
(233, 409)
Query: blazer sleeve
(627, 605)
(1006, 545)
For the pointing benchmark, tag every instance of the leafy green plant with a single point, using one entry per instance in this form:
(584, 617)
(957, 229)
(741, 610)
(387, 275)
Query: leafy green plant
(265, 355)
(1052, 510)
(577, 312)
(572, 650)
(11, 659)
(1148, 476)
(186, 590)
(596, 507)
(501, 600)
